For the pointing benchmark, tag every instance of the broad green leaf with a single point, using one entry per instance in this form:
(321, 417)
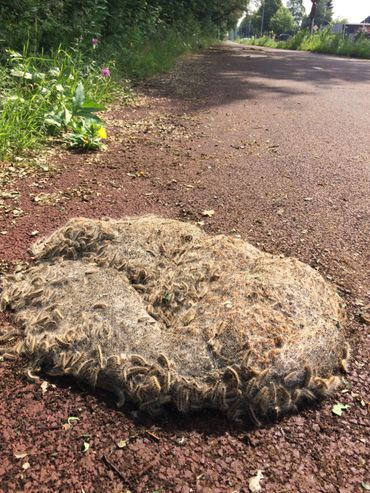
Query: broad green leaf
(79, 96)
(53, 121)
(93, 106)
(67, 116)
(88, 116)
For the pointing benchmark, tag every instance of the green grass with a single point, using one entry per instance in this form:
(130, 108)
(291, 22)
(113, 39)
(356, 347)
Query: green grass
(321, 42)
(139, 57)
(33, 86)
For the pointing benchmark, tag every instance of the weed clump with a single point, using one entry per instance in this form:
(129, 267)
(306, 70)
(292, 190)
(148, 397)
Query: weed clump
(158, 312)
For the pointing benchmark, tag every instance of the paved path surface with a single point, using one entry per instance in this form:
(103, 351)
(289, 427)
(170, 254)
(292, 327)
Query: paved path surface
(294, 132)
(277, 144)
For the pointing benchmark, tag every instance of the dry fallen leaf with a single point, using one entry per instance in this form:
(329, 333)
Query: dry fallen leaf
(85, 447)
(121, 444)
(17, 212)
(209, 213)
(339, 408)
(44, 386)
(26, 466)
(20, 455)
(254, 482)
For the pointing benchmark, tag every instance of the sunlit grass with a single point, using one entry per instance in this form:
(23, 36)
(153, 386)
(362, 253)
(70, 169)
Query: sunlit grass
(321, 42)
(32, 86)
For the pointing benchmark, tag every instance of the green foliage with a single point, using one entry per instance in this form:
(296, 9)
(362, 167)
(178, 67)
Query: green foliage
(42, 95)
(86, 135)
(297, 9)
(72, 109)
(283, 21)
(48, 23)
(246, 27)
(267, 10)
(296, 41)
(261, 41)
(324, 14)
(41, 88)
(147, 57)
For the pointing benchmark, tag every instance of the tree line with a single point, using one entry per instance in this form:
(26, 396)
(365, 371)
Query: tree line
(273, 16)
(49, 23)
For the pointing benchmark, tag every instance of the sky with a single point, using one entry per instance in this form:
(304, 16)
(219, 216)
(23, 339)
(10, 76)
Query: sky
(353, 10)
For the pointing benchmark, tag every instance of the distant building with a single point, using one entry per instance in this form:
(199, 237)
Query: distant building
(366, 21)
(351, 30)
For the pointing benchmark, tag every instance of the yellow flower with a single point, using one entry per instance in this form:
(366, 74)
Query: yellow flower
(102, 133)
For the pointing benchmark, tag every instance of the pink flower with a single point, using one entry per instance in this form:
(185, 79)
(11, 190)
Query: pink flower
(105, 72)
(94, 42)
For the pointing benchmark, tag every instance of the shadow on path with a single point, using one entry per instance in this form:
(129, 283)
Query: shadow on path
(236, 73)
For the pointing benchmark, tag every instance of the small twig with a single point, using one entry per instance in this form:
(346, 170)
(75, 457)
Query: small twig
(152, 436)
(113, 467)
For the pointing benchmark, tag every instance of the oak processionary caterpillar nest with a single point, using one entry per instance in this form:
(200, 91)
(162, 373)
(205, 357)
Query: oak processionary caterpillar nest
(159, 312)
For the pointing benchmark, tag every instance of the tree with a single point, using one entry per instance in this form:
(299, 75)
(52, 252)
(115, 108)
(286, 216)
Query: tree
(297, 9)
(324, 13)
(245, 29)
(283, 21)
(49, 23)
(266, 10)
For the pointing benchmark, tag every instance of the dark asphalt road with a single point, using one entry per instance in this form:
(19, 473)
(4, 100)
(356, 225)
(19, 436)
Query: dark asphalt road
(294, 128)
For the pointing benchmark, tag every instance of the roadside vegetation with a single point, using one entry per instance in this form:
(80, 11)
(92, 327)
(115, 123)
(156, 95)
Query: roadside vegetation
(320, 42)
(62, 61)
(272, 16)
(288, 26)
